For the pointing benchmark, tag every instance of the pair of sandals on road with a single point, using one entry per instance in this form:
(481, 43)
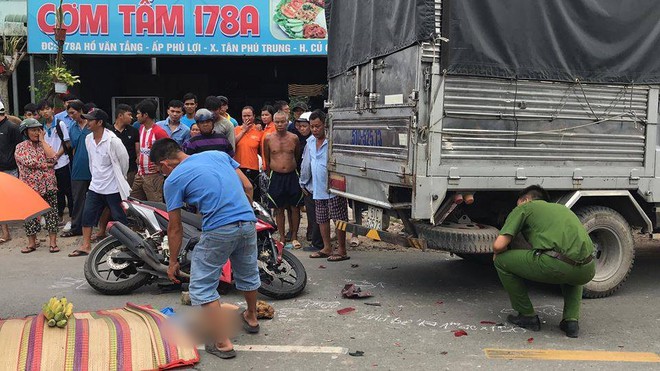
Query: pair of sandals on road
(329, 257)
(29, 249)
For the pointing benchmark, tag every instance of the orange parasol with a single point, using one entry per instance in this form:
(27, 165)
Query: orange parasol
(19, 202)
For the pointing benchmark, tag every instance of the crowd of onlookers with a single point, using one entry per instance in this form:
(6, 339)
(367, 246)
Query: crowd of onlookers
(82, 161)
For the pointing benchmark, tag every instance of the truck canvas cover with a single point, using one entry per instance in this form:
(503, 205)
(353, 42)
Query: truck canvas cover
(604, 41)
(364, 29)
(601, 41)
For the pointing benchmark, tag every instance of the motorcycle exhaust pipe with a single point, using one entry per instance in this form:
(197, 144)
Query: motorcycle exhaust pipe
(137, 245)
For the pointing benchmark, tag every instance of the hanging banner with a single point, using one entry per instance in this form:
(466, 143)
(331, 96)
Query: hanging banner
(180, 27)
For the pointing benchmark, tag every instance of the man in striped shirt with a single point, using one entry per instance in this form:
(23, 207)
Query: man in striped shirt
(148, 183)
(208, 139)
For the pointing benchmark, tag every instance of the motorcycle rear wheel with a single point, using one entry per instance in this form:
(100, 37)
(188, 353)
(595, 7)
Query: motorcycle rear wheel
(106, 280)
(284, 285)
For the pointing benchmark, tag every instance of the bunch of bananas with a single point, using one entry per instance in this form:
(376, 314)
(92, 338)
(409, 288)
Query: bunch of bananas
(57, 311)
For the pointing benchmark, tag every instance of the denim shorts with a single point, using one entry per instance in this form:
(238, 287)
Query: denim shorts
(95, 203)
(236, 242)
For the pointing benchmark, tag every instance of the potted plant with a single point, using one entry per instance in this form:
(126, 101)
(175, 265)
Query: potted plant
(62, 78)
(60, 32)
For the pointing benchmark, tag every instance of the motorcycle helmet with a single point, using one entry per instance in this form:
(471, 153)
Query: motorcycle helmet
(204, 115)
(29, 123)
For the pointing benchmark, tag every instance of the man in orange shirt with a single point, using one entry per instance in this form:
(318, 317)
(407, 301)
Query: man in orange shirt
(248, 143)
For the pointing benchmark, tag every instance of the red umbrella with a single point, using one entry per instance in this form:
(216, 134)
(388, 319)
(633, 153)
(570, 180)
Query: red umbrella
(19, 202)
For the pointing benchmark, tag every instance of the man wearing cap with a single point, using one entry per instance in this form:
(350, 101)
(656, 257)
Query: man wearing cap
(108, 161)
(561, 254)
(208, 139)
(10, 136)
(222, 125)
(298, 109)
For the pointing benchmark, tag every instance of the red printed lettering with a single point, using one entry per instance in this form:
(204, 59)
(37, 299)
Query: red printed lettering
(249, 21)
(158, 20)
(144, 20)
(43, 13)
(230, 20)
(127, 12)
(70, 12)
(93, 21)
(229, 25)
(171, 23)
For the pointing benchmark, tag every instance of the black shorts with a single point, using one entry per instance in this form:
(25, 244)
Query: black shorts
(284, 190)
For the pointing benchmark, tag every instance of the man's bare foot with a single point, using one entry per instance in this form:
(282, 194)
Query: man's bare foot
(250, 319)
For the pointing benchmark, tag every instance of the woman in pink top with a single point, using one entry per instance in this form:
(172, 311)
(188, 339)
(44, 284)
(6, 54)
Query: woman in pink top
(36, 161)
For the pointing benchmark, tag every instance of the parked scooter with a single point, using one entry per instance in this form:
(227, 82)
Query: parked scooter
(138, 255)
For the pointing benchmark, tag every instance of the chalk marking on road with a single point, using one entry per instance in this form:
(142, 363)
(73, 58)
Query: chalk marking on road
(571, 355)
(287, 349)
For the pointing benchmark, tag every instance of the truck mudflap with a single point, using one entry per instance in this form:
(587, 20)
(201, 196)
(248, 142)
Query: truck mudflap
(378, 235)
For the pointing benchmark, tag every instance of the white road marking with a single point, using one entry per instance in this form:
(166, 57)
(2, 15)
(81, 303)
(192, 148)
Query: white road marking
(287, 349)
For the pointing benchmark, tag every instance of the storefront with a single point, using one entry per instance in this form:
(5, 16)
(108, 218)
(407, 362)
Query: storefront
(250, 51)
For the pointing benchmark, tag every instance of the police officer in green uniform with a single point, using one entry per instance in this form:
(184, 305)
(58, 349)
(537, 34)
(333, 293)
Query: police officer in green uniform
(562, 253)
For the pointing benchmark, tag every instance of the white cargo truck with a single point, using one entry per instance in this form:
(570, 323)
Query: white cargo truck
(434, 102)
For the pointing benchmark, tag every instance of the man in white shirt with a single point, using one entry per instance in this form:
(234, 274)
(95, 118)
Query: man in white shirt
(57, 136)
(108, 163)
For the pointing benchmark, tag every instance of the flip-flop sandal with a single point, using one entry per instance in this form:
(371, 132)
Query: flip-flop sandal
(54, 249)
(247, 327)
(28, 249)
(319, 255)
(338, 258)
(2, 240)
(76, 253)
(296, 244)
(224, 354)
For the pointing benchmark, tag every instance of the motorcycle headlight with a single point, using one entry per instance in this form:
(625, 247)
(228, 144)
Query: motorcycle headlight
(263, 212)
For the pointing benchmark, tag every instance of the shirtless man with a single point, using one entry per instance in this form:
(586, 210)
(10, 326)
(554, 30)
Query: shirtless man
(281, 149)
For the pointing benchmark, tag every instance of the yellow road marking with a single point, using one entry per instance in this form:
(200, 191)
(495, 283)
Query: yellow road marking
(571, 355)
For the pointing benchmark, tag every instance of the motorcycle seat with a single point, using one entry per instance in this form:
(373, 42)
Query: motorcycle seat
(187, 217)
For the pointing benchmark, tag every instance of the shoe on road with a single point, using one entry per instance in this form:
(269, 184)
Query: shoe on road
(571, 328)
(529, 322)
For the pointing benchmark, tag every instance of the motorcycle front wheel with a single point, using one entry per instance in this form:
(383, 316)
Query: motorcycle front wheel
(108, 276)
(285, 281)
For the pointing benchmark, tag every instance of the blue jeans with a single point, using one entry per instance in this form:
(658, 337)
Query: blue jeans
(236, 242)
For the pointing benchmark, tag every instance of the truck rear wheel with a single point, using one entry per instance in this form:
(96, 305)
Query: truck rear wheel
(471, 238)
(615, 249)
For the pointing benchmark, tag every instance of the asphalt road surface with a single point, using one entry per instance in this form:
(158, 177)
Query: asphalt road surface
(424, 297)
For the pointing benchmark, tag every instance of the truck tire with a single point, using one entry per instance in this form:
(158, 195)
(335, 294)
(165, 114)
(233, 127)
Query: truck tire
(473, 238)
(615, 249)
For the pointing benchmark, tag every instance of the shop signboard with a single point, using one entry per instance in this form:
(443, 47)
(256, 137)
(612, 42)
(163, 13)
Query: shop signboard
(180, 27)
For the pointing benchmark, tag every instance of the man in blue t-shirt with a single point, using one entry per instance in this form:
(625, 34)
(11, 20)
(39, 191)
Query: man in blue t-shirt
(80, 173)
(213, 183)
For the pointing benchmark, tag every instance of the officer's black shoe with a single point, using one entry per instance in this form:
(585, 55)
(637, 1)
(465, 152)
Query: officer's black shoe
(571, 328)
(529, 322)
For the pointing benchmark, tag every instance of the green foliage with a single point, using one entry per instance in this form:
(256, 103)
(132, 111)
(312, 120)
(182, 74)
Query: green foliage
(46, 79)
